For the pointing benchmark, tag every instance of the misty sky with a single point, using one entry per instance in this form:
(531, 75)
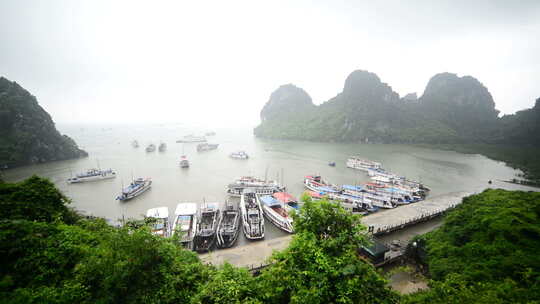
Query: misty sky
(217, 62)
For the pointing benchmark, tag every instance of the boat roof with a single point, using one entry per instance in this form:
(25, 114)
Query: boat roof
(284, 197)
(326, 189)
(211, 205)
(352, 187)
(270, 201)
(380, 178)
(314, 194)
(159, 212)
(186, 209)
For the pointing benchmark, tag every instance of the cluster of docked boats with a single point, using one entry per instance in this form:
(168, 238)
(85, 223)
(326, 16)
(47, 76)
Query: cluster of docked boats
(386, 190)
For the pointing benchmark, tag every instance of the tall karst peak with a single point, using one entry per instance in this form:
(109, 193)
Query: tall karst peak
(365, 86)
(286, 99)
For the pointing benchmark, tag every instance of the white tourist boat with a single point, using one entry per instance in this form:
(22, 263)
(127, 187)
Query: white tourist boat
(252, 215)
(185, 223)
(136, 188)
(92, 175)
(160, 225)
(239, 155)
(355, 162)
(259, 186)
(317, 184)
(376, 199)
(209, 219)
(276, 212)
(206, 147)
(191, 139)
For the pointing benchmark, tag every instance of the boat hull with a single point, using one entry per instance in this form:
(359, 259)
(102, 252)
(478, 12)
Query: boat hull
(77, 180)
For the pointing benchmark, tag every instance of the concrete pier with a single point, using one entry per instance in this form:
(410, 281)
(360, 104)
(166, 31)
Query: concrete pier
(256, 254)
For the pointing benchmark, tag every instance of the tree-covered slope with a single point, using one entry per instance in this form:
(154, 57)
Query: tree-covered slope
(486, 251)
(27, 133)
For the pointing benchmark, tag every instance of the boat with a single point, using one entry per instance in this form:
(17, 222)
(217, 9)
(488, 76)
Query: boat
(332, 164)
(206, 147)
(191, 139)
(259, 186)
(92, 175)
(160, 224)
(205, 237)
(314, 195)
(184, 163)
(151, 148)
(276, 212)
(376, 198)
(252, 215)
(287, 199)
(229, 225)
(211, 133)
(136, 188)
(185, 223)
(135, 144)
(317, 184)
(239, 155)
(355, 162)
(162, 147)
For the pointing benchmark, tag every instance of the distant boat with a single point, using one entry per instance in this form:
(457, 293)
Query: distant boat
(135, 144)
(160, 226)
(211, 133)
(185, 223)
(257, 185)
(277, 212)
(136, 188)
(191, 139)
(239, 155)
(162, 147)
(184, 163)
(332, 164)
(206, 147)
(92, 175)
(151, 148)
(205, 237)
(252, 215)
(355, 162)
(229, 226)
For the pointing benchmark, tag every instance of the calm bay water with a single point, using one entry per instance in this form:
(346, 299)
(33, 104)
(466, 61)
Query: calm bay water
(210, 172)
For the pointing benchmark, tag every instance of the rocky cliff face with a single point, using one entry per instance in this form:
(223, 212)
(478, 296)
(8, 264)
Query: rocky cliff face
(27, 133)
(286, 100)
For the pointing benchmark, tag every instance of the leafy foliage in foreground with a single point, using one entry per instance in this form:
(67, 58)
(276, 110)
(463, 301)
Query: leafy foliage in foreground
(486, 251)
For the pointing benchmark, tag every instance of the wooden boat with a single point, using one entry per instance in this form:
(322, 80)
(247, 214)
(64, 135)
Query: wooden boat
(205, 237)
(252, 215)
(229, 226)
(160, 225)
(185, 223)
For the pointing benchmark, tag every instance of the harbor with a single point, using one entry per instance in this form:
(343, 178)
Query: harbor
(255, 255)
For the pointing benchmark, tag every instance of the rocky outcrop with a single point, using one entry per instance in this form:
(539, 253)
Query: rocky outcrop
(27, 132)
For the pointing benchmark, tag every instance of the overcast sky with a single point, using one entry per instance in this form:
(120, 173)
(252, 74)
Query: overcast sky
(219, 61)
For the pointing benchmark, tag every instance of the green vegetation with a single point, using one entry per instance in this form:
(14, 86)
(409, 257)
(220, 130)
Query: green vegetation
(27, 132)
(52, 255)
(485, 252)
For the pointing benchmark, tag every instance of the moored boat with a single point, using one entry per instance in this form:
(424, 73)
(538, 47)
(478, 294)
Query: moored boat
(185, 223)
(206, 147)
(191, 139)
(160, 224)
(286, 199)
(205, 237)
(184, 162)
(229, 225)
(162, 147)
(317, 184)
(239, 155)
(355, 162)
(252, 215)
(259, 186)
(136, 188)
(151, 148)
(92, 175)
(276, 212)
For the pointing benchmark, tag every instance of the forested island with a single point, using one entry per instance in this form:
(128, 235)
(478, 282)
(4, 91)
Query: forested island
(454, 112)
(485, 252)
(27, 132)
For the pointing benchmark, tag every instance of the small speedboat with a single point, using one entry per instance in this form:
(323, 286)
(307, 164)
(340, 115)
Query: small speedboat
(160, 223)
(92, 175)
(205, 237)
(136, 188)
(185, 223)
(229, 226)
(239, 155)
(184, 162)
(332, 164)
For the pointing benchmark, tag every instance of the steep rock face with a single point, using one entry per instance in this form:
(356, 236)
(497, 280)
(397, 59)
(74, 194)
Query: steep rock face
(27, 133)
(286, 99)
(366, 87)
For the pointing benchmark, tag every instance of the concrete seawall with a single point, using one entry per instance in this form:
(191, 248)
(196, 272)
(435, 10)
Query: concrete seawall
(257, 253)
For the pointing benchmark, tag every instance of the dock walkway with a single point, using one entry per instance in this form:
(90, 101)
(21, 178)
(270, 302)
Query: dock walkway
(256, 254)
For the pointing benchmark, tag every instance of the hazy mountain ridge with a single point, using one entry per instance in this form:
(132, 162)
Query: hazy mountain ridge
(452, 110)
(27, 132)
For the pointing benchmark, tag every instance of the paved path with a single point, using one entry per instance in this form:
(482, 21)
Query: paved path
(257, 253)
